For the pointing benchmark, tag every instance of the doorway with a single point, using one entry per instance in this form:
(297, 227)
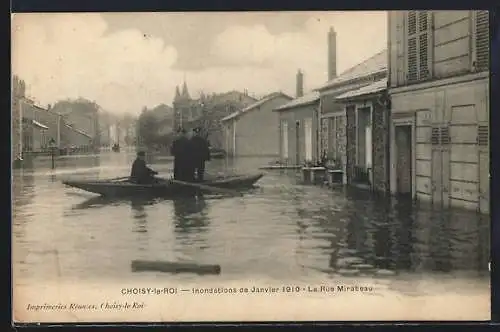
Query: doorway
(297, 142)
(403, 159)
(308, 139)
(284, 140)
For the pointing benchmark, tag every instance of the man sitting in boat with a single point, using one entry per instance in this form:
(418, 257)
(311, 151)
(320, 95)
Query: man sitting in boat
(200, 150)
(141, 174)
(183, 165)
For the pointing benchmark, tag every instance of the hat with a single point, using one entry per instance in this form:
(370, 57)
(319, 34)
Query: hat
(196, 129)
(141, 154)
(181, 130)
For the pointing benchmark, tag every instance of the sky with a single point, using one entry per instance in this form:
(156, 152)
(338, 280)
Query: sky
(125, 61)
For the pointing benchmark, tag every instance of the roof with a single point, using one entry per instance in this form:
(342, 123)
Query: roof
(377, 86)
(306, 99)
(38, 124)
(375, 64)
(78, 131)
(256, 105)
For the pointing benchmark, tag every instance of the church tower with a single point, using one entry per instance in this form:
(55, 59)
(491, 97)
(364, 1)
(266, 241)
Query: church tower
(177, 94)
(181, 105)
(185, 92)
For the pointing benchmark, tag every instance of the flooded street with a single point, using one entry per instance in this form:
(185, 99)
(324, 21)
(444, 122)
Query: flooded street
(281, 231)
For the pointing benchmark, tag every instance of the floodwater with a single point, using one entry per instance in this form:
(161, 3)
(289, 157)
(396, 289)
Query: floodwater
(279, 231)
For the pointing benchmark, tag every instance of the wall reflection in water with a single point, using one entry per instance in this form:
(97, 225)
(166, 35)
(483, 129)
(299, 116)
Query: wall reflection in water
(370, 236)
(23, 194)
(191, 221)
(139, 217)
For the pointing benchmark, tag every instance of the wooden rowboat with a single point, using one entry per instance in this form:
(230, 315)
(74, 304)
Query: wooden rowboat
(163, 187)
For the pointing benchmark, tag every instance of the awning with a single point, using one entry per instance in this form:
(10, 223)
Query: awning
(39, 125)
(366, 90)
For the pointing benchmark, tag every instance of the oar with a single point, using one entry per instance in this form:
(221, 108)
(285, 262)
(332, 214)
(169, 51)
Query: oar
(209, 188)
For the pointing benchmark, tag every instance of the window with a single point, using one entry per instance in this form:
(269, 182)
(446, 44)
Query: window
(284, 139)
(482, 40)
(336, 132)
(418, 30)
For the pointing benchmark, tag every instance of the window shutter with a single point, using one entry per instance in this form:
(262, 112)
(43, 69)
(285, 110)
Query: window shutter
(445, 135)
(435, 136)
(412, 22)
(482, 42)
(423, 20)
(423, 56)
(482, 135)
(412, 59)
(400, 53)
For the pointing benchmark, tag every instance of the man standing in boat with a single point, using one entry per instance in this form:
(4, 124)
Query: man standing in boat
(183, 165)
(141, 174)
(200, 150)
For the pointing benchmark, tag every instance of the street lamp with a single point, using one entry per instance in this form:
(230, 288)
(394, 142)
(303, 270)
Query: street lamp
(52, 146)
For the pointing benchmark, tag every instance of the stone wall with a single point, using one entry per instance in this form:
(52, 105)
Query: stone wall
(380, 144)
(351, 142)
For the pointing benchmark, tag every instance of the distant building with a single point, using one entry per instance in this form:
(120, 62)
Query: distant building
(40, 126)
(18, 94)
(207, 111)
(75, 139)
(39, 118)
(298, 127)
(253, 130)
(82, 115)
(439, 88)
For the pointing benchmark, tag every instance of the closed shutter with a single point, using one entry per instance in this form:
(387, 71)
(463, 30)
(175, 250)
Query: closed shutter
(412, 22)
(482, 42)
(423, 55)
(482, 135)
(412, 59)
(419, 43)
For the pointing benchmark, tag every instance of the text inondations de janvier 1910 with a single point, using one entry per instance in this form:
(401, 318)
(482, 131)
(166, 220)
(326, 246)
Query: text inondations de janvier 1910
(252, 290)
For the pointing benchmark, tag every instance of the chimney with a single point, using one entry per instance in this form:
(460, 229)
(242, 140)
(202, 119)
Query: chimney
(332, 54)
(300, 84)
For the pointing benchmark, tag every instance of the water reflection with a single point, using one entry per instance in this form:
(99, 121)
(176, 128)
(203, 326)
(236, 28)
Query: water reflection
(139, 216)
(378, 236)
(281, 230)
(190, 214)
(23, 194)
(191, 226)
(23, 189)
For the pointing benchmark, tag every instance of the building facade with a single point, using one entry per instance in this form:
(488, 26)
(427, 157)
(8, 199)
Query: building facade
(439, 90)
(298, 127)
(41, 120)
(254, 130)
(335, 130)
(367, 136)
(18, 94)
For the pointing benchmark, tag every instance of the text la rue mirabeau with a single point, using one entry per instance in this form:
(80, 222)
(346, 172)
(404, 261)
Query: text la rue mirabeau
(283, 289)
